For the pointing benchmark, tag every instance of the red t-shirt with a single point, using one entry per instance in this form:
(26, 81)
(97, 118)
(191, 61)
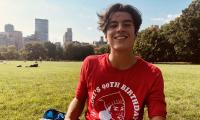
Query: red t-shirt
(114, 94)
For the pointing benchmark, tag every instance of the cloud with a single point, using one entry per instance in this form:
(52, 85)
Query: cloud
(83, 15)
(171, 17)
(166, 19)
(157, 19)
(89, 28)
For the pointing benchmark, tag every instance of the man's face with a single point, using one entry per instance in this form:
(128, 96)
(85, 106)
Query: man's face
(117, 111)
(120, 32)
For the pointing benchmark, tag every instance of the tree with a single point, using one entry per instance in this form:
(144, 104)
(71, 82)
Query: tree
(77, 51)
(50, 50)
(59, 53)
(85, 51)
(35, 51)
(152, 45)
(11, 53)
(190, 25)
(3, 49)
(1, 56)
(178, 40)
(102, 49)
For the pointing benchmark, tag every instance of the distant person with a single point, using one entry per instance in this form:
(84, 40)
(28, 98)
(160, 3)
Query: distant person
(40, 59)
(118, 85)
(34, 65)
(19, 65)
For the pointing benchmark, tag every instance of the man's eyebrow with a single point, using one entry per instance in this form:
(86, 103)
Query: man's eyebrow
(128, 20)
(113, 21)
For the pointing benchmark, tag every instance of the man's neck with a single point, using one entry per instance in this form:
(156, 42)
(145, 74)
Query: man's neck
(122, 60)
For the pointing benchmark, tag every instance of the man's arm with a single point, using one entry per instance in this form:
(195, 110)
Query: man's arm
(75, 109)
(156, 99)
(157, 118)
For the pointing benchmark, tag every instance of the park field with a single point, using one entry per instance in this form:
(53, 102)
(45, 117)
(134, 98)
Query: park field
(25, 93)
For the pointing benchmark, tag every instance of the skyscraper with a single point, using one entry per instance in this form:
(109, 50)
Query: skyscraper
(41, 29)
(11, 37)
(67, 38)
(9, 28)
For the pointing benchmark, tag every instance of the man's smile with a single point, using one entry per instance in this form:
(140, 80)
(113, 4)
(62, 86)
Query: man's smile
(121, 37)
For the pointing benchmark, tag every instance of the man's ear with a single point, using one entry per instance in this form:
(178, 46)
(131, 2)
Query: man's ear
(106, 39)
(105, 36)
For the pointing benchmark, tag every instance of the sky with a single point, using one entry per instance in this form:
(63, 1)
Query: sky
(80, 15)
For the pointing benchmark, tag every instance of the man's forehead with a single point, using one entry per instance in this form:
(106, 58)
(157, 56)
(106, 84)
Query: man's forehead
(125, 21)
(121, 16)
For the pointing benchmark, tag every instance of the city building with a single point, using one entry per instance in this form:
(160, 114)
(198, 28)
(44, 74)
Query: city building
(9, 28)
(11, 37)
(67, 38)
(100, 42)
(31, 39)
(41, 29)
(58, 44)
(17, 37)
(3, 39)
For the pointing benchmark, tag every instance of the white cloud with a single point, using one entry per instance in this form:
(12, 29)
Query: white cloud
(157, 19)
(85, 16)
(166, 19)
(89, 28)
(171, 17)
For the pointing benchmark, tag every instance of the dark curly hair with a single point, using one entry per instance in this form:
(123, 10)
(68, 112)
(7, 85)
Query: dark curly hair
(104, 18)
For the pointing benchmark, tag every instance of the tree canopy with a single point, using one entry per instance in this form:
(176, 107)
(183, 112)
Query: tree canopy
(178, 40)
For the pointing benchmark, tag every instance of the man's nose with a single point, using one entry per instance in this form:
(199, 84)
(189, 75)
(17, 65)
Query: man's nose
(120, 27)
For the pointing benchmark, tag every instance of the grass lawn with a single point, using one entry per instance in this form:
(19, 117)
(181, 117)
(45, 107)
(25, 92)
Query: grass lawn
(25, 93)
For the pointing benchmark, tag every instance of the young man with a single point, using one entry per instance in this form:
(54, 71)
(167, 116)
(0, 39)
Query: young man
(118, 85)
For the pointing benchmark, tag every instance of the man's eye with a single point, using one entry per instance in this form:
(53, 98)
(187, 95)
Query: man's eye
(112, 25)
(127, 25)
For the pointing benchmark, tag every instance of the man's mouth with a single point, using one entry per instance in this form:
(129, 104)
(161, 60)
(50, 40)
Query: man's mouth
(121, 37)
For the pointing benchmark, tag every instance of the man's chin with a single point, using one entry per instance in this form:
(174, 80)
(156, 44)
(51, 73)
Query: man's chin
(121, 48)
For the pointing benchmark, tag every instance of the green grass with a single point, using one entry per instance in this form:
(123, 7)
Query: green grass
(25, 93)
(182, 88)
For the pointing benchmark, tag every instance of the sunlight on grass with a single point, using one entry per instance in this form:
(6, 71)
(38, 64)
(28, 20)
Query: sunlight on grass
(25, 93)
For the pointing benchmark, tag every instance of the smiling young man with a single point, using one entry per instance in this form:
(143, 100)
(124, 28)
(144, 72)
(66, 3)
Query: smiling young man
(118, 85)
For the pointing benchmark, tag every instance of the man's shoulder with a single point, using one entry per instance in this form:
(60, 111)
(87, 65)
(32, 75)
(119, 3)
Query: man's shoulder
(95, 58)
(148, 66)
(93, 62)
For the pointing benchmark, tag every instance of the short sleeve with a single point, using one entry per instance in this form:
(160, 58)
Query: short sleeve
(81, 89)
(156, 99)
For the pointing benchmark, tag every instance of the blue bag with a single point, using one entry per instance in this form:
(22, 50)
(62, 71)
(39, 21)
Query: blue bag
(52, 114)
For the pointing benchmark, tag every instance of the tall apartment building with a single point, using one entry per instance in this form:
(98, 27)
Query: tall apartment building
(11, 37)
(67, 38)
(3, 39)
(9, 28)
(100, 42)
(41, 29)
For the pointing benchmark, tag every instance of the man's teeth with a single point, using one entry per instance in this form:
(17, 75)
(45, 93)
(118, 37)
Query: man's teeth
(121, 37)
